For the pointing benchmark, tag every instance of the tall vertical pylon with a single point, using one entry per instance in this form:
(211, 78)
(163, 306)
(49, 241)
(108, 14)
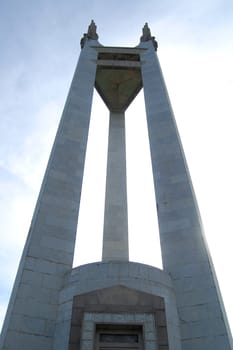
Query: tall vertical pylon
(116, 304)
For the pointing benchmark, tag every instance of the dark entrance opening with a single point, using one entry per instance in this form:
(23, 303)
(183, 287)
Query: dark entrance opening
(118, 337)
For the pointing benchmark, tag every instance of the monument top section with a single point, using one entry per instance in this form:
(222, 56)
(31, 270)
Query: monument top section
(146, 36)
(92, 35)
(118, 75)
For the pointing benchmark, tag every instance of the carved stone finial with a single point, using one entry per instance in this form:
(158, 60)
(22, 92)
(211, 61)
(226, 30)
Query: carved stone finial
(146, 36)
(90, 35)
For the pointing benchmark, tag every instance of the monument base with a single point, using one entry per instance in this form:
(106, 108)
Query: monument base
(115, 300)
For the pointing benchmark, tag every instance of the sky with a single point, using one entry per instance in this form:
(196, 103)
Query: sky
(39, 42)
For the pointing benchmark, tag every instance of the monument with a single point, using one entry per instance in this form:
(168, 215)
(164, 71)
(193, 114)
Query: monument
(116, 304)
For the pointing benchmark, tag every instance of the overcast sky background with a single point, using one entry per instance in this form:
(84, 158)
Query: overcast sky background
(39, 43)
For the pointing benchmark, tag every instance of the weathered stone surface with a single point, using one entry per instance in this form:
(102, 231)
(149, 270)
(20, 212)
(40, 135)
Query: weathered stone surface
(48, 253)
(184, 250)
(115, 239)
(50, 301)
(103, 288)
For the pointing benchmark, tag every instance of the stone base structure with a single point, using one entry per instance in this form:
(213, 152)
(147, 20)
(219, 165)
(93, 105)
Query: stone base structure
(117, 293)
(116, 304)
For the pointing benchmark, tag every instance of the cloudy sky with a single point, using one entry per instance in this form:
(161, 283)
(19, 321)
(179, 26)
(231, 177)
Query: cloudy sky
(39, 49)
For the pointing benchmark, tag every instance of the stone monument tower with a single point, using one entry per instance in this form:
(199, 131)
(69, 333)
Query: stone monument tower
(116, 304)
